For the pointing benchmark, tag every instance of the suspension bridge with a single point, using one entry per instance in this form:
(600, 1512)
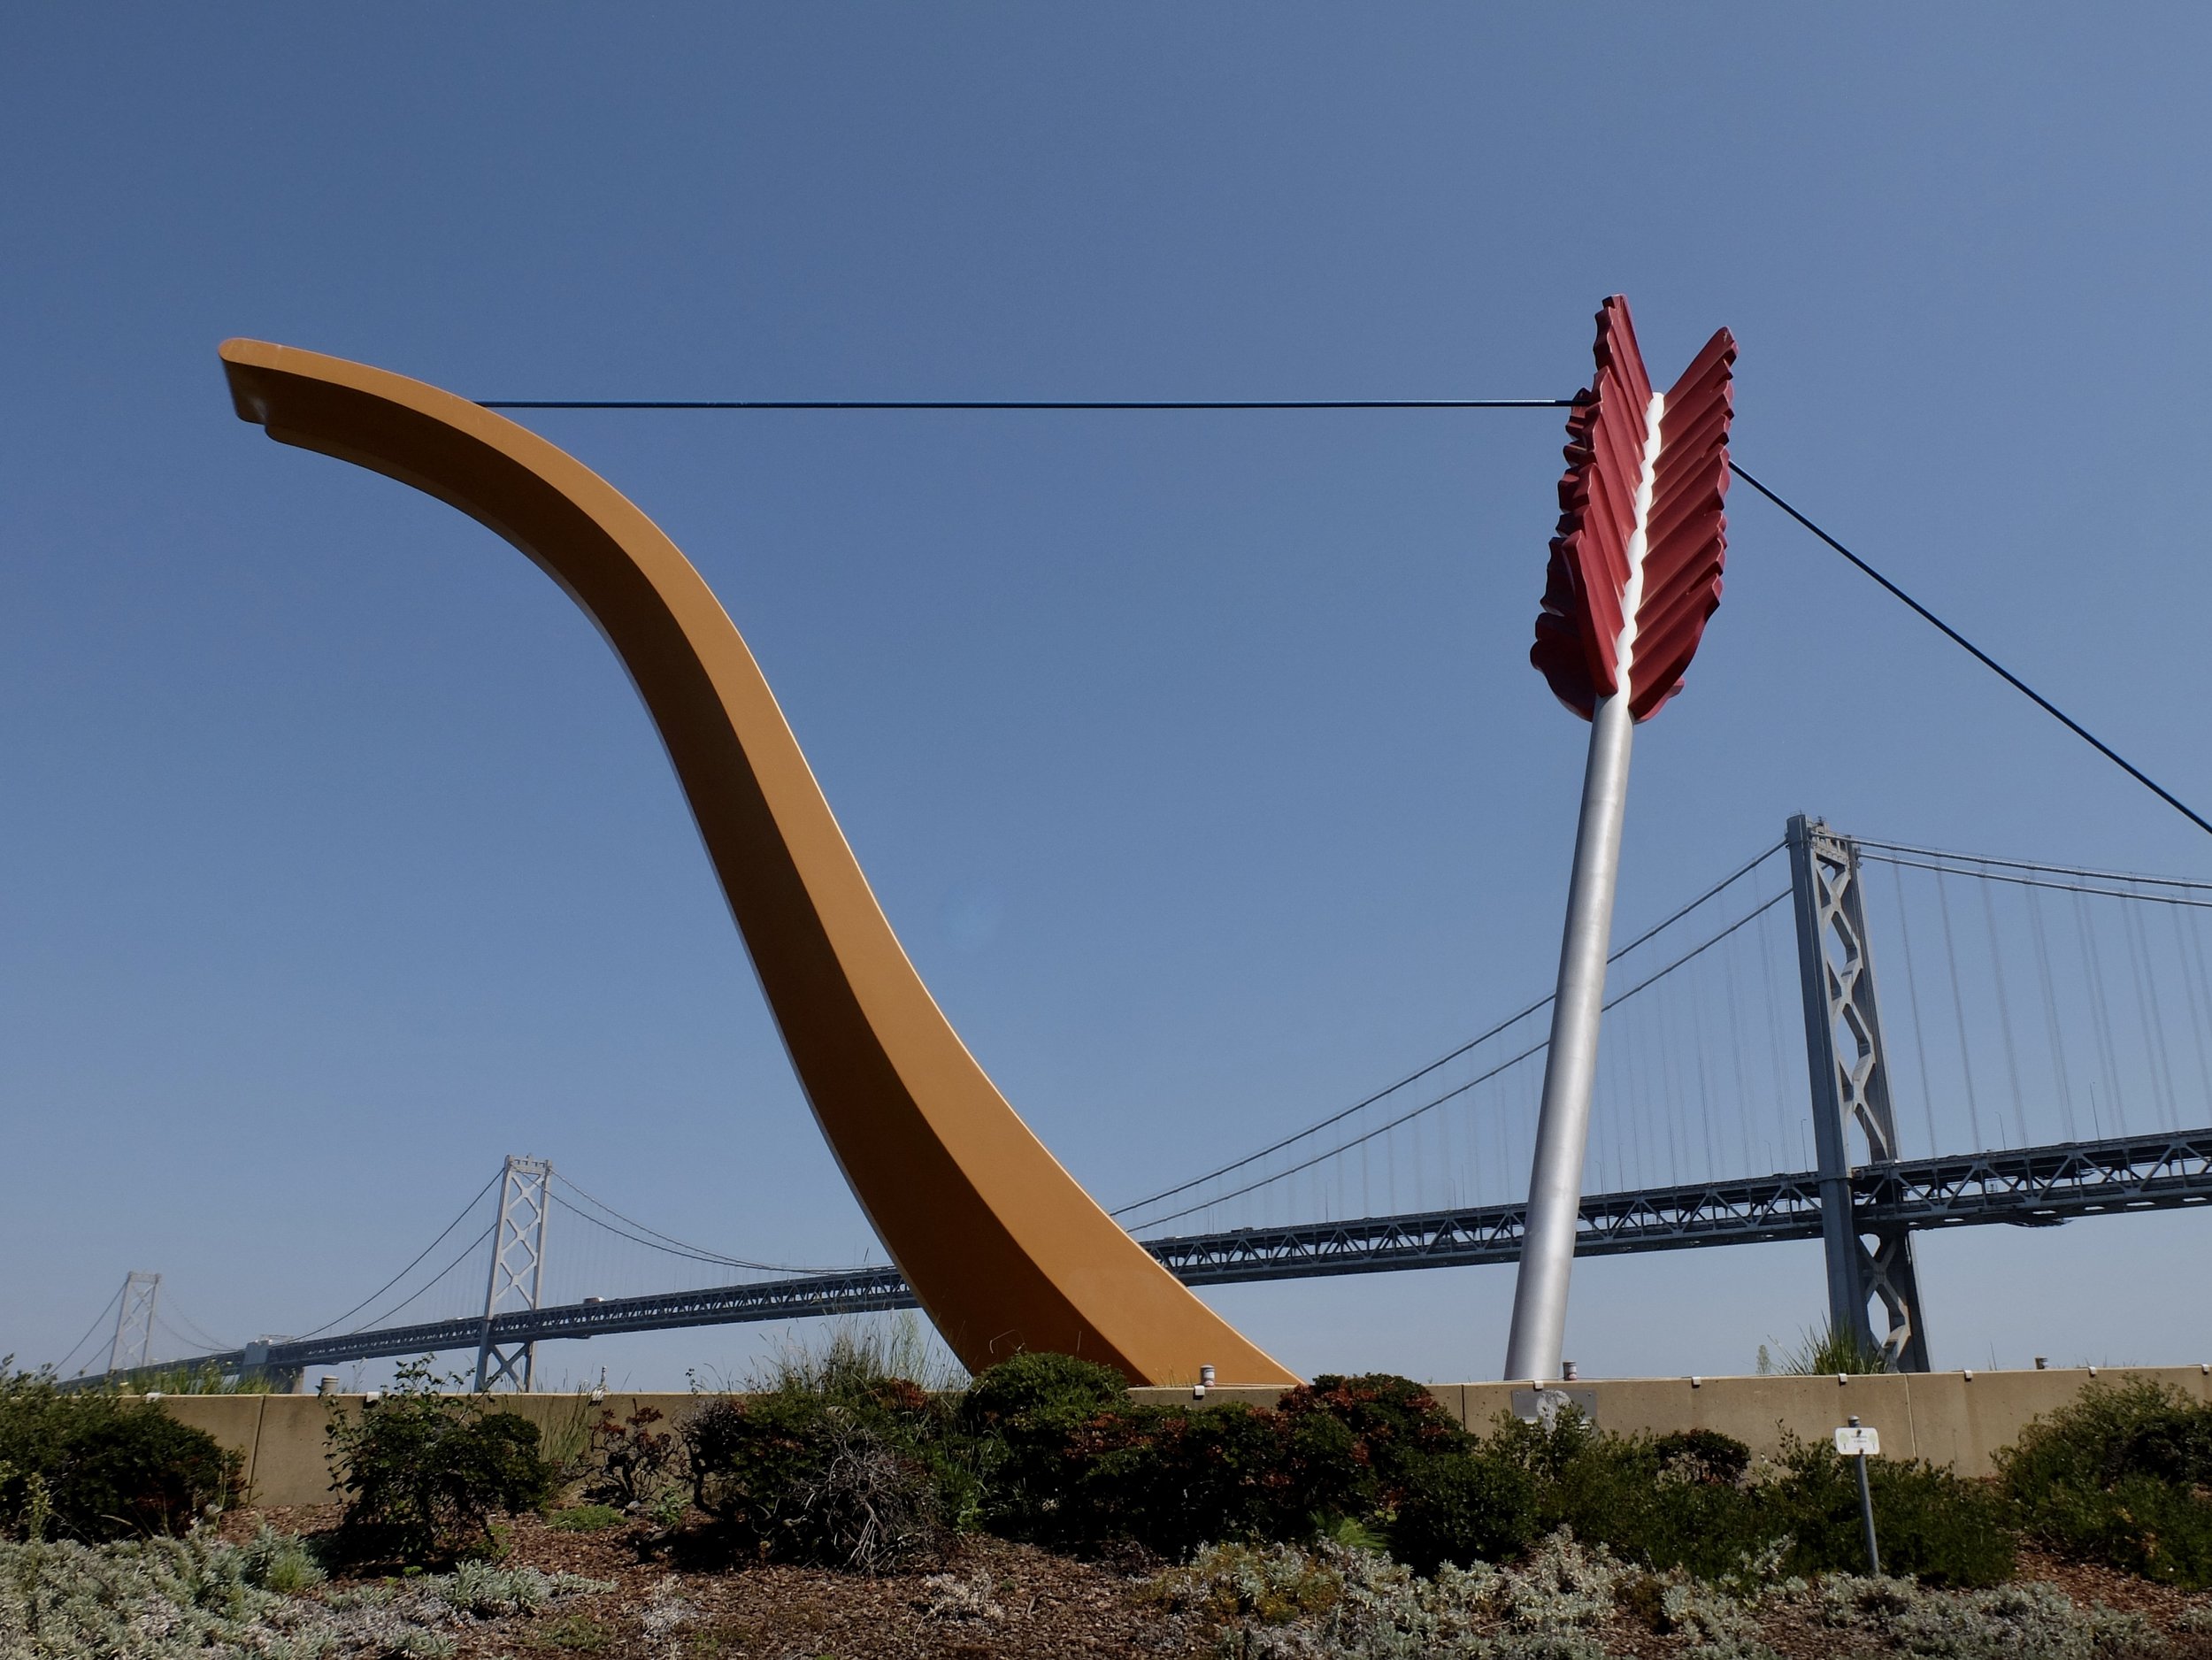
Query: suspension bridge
(2040, 1050)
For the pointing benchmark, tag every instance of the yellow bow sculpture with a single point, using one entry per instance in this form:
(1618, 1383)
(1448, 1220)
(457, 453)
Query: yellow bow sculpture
(1003, 1248)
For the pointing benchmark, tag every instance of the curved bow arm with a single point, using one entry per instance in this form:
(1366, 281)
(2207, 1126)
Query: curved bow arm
(1004, 1249)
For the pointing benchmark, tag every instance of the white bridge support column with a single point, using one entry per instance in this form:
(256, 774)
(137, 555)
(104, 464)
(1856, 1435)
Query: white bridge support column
(1849, 1072)
(133, 1345)
(517, 1276)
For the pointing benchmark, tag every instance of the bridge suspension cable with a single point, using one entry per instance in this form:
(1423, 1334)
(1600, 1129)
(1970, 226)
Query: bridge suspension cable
(1500, 1067)
(100, 1319)
(2100, 884)
(666, 1243)
(191, 1333)
(1985, 660)
(2020, 1062)
(416, 1295)
(460, 1218)
(1472, 1044)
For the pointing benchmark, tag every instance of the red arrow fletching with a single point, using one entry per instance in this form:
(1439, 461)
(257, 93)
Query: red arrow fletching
(1619, 483)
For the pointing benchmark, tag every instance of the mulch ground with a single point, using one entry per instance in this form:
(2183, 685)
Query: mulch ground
(1010, 1600)
(991, 1600)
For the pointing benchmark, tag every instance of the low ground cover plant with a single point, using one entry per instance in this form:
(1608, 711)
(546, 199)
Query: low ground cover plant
(1563, 1600)
(2122, 1476)
(98, 1465)
(424, 1472)
(192, 1598)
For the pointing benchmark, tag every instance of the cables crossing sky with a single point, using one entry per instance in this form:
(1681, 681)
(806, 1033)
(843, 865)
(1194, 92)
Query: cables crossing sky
(1241, 404)
(787, 403)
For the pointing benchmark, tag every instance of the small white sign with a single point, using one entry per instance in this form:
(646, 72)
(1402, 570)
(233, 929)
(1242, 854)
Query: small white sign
(1863, 1443)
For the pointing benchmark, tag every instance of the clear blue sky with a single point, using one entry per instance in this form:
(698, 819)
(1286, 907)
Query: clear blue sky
(1196, 757)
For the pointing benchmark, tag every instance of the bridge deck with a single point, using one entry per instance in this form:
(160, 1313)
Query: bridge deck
(2035, 1186)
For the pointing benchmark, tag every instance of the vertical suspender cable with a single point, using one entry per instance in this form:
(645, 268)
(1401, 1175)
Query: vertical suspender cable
(1912, 997)
(2053, 1031)
(1735, 1054)
(2004, 1012)
(1769, 964)
(2190, 942)
(1704, 1081)
(1670, 1085)
(1958, 1010)
(2146, 1011)
(2100, 1021)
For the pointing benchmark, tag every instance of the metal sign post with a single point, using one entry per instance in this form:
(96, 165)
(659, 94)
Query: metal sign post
(1859, 1445)
(1634, 574)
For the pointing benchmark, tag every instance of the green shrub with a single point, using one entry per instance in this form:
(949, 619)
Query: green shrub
(1703, 1454)
(1025, 1387)
(1069, 1459)
(1932, 1524)
(1025, 1420)
(1659, 1508)
(2122, 1476)
(1174, 1478)
(1685, 1502)
(107, 1467)
(805, 1477)
(1355, 1447)
(842, 1458)
(424, 1472)
(1464, 1510)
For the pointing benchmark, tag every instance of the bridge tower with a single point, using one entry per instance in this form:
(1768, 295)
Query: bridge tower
(1850, 1092)
(526, 1199)
(134, 1343)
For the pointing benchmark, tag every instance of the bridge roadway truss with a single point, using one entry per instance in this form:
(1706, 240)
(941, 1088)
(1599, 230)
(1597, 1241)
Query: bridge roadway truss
(2035, 1186)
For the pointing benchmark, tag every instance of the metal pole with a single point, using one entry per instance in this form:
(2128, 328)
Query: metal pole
(1562, 1127)
(1866, 1510)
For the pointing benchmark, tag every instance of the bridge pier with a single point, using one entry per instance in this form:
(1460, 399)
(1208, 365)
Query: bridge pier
(1850, 1090)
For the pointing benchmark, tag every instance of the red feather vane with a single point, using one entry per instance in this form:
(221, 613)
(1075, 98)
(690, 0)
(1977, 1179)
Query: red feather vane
(1640, 525)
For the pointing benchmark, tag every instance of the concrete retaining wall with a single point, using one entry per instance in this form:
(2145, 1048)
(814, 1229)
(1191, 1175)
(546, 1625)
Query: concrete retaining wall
(1958, 1418)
